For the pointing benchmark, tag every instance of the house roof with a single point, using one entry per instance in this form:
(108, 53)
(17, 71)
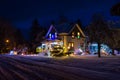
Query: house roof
(64, 27)
(51, 27)
(79, 28)
(114, 24)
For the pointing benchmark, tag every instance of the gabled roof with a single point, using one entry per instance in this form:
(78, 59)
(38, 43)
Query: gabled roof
(79, 28)
(50, 29)
(65, 28)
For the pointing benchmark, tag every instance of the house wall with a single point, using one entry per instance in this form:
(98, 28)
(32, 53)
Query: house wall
(78, 43)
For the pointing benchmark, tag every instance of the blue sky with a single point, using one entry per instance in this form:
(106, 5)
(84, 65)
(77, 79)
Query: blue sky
(22, 12)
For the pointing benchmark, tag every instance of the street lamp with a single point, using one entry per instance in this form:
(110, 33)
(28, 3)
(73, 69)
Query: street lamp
(7, 45)
(7, 41)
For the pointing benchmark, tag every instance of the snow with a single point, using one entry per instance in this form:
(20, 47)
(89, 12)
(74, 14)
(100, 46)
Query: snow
(13, 67)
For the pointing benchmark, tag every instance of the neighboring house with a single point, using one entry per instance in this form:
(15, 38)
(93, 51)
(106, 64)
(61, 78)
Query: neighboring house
(115, 28)
(68, 36)
(93, 49)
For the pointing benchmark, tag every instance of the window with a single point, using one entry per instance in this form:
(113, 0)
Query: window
(50, 36)
(73, 35)
(71, 44)
(53, 36)
(78, 35)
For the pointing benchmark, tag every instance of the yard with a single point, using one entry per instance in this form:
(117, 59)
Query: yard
(59, 68)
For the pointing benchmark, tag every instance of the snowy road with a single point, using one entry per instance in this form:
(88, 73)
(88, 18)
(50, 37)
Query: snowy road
(73, 68)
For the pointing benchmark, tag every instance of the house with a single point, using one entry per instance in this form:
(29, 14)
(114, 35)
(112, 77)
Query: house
(105, 49)
(68, 36)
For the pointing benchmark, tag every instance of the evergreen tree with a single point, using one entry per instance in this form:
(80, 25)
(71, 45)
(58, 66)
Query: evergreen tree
(19, 39)
(7, 37)
(115, 10)
(36, 34)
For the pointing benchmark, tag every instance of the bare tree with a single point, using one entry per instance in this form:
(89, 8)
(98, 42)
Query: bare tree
(98, 31)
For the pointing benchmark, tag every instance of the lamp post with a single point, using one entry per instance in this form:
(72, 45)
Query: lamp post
(7, 41)
(7, 45)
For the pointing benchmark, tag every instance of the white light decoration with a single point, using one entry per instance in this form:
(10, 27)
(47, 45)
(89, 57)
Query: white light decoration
(68, 47)
(55, 35)
(50, 35)
(43, 44)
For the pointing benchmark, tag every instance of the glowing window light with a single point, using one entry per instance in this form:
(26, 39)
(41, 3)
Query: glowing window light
(55, 35)
(72, 44)
(68, 47)
(50, 36)
(78, 35)
(69, 44)
(73, 35)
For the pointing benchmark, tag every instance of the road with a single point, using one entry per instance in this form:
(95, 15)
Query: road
(40, 68)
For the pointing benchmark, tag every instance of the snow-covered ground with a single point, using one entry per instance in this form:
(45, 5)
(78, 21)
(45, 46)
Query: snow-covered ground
(13, 67)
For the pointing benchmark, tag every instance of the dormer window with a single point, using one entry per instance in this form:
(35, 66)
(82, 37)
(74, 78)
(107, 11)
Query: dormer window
(73, 35)
(78, 35)
(50, 36)
(53, 36)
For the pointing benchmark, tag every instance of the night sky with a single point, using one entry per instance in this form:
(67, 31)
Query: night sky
(22, 12)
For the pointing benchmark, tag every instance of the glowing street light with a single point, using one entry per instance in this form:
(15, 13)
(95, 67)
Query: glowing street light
(7, 41)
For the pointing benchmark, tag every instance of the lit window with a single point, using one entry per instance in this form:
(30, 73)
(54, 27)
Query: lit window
(69, 44)
(72, 44)
(50, 36)
(78, 35)
(73, 35)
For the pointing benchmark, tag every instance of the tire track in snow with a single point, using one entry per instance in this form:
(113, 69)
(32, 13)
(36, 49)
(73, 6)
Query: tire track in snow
(52, 71)
(59, 71)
